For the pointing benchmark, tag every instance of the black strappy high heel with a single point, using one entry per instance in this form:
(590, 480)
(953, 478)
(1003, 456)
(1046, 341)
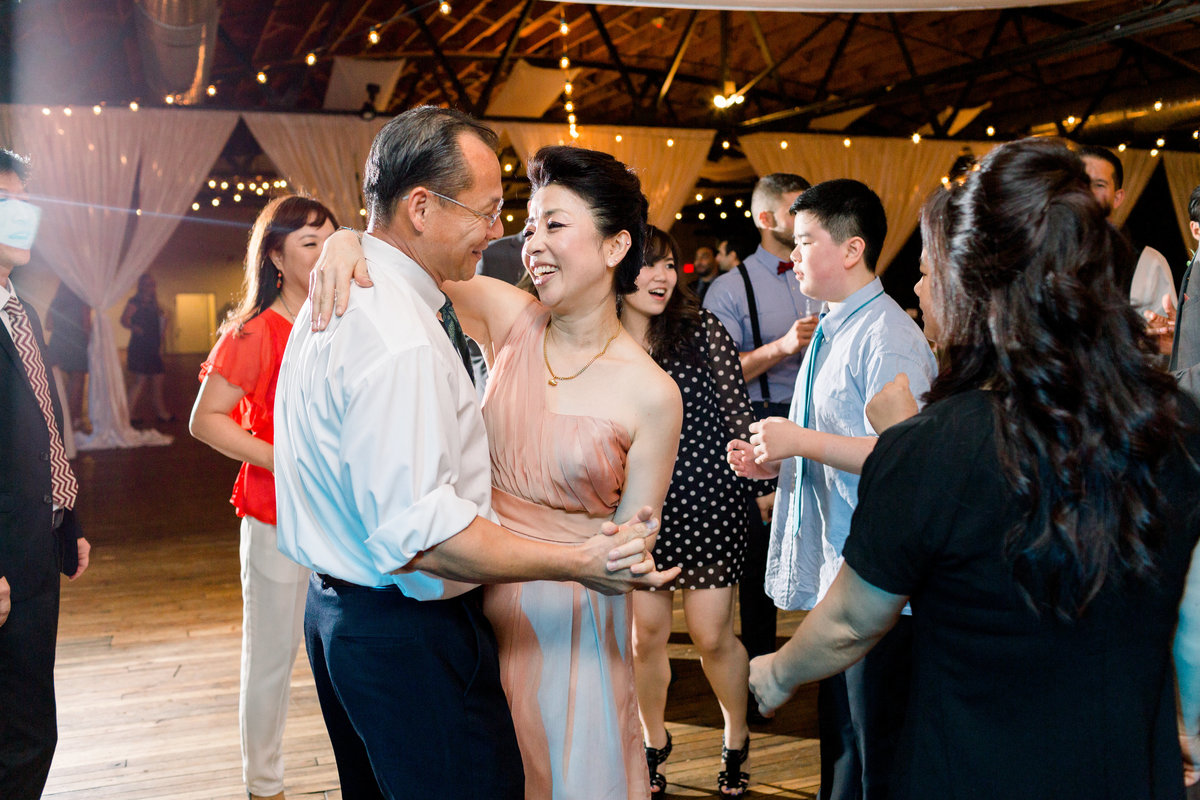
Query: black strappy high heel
(654, 758)
(732, 781)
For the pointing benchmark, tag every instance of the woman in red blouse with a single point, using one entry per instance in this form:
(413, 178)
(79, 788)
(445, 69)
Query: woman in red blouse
(234, 415)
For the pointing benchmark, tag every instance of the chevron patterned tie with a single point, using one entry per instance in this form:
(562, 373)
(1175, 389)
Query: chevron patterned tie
(62, 480)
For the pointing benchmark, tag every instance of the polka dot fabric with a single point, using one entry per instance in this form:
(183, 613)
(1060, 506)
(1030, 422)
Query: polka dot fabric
(705, 519)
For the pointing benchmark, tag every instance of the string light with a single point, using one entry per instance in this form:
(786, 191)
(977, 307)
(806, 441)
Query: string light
(310, 59)
(67, 111)
(619, 138)
(916, 137)
(96, 110)
(1070, 120)
(445, 9)
(508, 217)
(224, 185)
(1154, 153)
(1196, 134)
(373, 36)
(670, 142)
(747, 212)
(568, 88)
(846, 142)
(723, 215)
(237, 198)
(569, 106)
(699, 198)
(169, 99)
(1158, 105)
(216, 201)
(725, 144)
(991, 131)
(261, 77)
(783, 144)
(737, 203)
(564, 63)
(133, 106)
(212, 90)
(45, 112)
(1161, 142)
(212, 184)
(195, 206)
(563, 27)
(678, 215)
(1121, 147)
(700, 215)
(508, 167)
(716, 201)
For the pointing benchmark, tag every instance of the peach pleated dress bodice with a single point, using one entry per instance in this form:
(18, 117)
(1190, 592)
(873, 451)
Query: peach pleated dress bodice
(565, 651)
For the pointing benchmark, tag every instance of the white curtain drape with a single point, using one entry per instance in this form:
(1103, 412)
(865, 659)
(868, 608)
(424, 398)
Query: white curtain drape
(1138, 166)
(901, 173)
(87, 168)
(321, 155)
(667, 160)
(1183, 175)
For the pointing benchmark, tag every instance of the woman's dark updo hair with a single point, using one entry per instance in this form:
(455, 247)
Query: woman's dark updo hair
(1030, 310)
(611, 191)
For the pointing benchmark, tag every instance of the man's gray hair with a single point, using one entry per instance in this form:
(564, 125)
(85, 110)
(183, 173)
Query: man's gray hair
(419, 148)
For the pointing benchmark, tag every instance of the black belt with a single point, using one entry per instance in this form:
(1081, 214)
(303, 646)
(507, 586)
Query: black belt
(338, 583)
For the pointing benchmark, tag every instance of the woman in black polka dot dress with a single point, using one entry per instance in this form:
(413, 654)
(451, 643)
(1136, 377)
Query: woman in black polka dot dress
(705, 516)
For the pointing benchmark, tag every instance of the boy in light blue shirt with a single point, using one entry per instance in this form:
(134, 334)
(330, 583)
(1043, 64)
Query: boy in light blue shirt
(863, 342)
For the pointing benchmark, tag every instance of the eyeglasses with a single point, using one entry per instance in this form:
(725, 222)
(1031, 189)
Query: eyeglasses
(489, 218)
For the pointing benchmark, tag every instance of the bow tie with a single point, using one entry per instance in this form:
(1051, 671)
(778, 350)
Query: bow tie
(784, 266)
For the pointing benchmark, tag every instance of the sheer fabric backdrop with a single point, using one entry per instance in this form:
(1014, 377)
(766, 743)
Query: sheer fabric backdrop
(321, 155)
(1183, 175)
(668, 172)
(86, 169)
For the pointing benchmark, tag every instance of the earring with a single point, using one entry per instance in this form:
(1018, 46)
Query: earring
(278, 278)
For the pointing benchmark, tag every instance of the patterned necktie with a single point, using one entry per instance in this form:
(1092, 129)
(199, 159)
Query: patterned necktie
(62, 480)
(454, 330)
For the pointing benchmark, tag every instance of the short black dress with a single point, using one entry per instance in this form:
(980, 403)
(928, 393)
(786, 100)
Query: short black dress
(705, 519)
(144, 356)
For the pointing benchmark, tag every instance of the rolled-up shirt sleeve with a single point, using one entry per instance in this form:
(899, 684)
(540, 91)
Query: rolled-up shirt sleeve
(400, 456)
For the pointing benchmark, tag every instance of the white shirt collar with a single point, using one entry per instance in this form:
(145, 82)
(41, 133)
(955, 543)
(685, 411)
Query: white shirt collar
(381, 254)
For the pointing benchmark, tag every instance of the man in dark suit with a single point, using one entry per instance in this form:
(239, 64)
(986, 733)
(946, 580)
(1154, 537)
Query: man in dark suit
(38, 532)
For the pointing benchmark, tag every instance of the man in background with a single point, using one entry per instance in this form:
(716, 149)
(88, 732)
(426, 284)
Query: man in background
(38, 533)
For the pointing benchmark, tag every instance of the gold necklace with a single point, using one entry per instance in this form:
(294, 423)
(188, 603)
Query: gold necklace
(285, 307)
(554, 379)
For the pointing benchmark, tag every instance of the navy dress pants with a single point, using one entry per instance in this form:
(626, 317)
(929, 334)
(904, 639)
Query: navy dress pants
(411, 695)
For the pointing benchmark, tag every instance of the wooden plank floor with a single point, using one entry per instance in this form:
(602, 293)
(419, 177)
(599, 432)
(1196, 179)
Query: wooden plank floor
(149, 647)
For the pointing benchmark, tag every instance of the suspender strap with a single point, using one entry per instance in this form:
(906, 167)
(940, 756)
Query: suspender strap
(754, 329)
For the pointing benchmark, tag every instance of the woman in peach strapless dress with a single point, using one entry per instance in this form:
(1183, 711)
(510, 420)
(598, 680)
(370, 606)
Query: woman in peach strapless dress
(582, 428)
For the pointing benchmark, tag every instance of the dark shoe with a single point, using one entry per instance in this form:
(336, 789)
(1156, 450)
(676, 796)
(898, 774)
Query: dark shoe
(732, 781)
(655, 757)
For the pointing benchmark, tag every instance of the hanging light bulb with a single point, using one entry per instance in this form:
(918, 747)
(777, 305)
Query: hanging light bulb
(261, 77)
(169, 99)
(1161, 142)
(916, 137)
(133, 106)
(212, 184)
(445, 9)
(1121, 147)
(571, 118)
(569, 106)
(212, 90)
(991, 131)
(725, 144)
(783, 144)
(568, 88)
(719, 101)
(564, 63)
(373, 36)
(310, 59)
(96, 110)
(563, 27)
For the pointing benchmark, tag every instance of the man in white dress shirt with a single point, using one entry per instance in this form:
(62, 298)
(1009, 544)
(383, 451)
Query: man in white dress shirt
(384, 489)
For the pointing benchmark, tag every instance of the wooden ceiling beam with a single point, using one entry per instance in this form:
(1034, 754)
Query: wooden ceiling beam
(502, 64)
(684, 39)
(826, 21)
(1103, 91)
(823, 86)
(1142, 20)
(938, 128)
(598, 21)
(1002, 21)
(449, 74)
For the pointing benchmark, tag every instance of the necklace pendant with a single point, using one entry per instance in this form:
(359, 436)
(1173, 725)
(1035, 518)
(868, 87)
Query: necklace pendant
(553, 382)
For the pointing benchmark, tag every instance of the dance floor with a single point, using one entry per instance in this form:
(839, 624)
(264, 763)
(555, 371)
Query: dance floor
(149, 640)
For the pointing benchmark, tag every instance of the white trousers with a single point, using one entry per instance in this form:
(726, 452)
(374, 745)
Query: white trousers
(273, 593)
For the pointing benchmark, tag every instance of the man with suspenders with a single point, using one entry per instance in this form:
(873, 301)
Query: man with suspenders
(771, 322)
